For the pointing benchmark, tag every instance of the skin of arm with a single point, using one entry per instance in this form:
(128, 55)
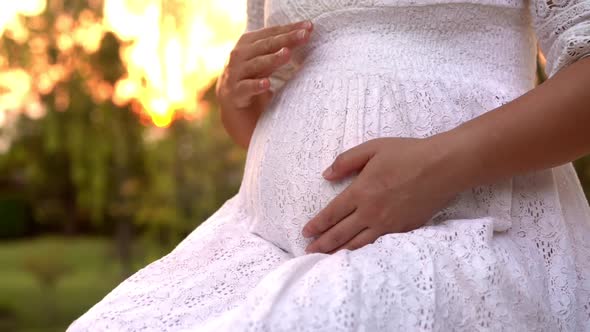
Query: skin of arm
(240, 124)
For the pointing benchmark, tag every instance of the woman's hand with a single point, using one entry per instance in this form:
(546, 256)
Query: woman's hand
(402, 183)
(255, 57)
(243, 87)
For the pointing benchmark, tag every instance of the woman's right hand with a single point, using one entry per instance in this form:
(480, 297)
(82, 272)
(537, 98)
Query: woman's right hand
(243, 89)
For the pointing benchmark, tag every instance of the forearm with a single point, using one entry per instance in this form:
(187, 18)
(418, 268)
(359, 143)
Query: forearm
(239, 124)
(546, 127)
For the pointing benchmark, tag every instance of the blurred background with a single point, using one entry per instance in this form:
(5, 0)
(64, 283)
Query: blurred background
(111, 146)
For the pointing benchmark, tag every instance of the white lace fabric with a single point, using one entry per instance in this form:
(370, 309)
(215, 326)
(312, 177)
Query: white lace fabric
(510, 256)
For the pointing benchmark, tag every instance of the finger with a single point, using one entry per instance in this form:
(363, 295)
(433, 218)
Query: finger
(351, 160)
(338, 235)
(246, 89)
(367, 236)
(264, 65)
(273, 44)
(338, 208)
(252, 36)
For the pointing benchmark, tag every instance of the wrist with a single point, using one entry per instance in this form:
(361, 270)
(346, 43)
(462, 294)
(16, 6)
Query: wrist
(238, 123)
(455, 159)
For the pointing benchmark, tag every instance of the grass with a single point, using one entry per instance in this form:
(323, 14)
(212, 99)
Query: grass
(48, 282)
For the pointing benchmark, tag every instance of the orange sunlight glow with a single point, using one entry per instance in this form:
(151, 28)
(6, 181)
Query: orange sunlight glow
(175, 51)
(15, 83)
(172, 51)
(11, 10)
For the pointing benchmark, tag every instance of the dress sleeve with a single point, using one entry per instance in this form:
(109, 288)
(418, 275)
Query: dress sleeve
(563, 31)
(255, 21)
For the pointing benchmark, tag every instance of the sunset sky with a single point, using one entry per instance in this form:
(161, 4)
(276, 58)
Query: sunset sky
(176, 48)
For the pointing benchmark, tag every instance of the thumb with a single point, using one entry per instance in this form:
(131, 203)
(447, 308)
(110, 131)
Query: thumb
(349, 161)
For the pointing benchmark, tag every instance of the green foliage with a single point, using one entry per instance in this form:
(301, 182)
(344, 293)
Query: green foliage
(23, 298)
(47, 266)
(92, 271)
(202, 168)
(14, 217)
(583, 169)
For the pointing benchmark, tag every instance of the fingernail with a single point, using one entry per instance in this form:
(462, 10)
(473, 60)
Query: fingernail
(327, 172)
(263, 84)
(301, 34)
(282, 51)
(306, 25)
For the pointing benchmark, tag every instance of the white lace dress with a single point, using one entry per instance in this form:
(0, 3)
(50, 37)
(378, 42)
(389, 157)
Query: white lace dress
(514, 256)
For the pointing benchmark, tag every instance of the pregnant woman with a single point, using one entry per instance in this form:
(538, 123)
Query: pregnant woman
(403, 173)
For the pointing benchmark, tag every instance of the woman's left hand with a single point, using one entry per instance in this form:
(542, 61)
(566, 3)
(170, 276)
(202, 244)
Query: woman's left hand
(402, 183)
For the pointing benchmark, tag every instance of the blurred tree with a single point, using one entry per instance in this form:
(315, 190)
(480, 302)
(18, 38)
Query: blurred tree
(203, 170)
(48, 267)
(88, 164)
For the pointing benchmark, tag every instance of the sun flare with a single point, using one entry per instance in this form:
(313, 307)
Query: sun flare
(172, 51)
(177, 49)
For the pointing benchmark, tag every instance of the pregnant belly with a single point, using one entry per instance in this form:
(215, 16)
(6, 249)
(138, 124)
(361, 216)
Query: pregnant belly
(312, 120)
